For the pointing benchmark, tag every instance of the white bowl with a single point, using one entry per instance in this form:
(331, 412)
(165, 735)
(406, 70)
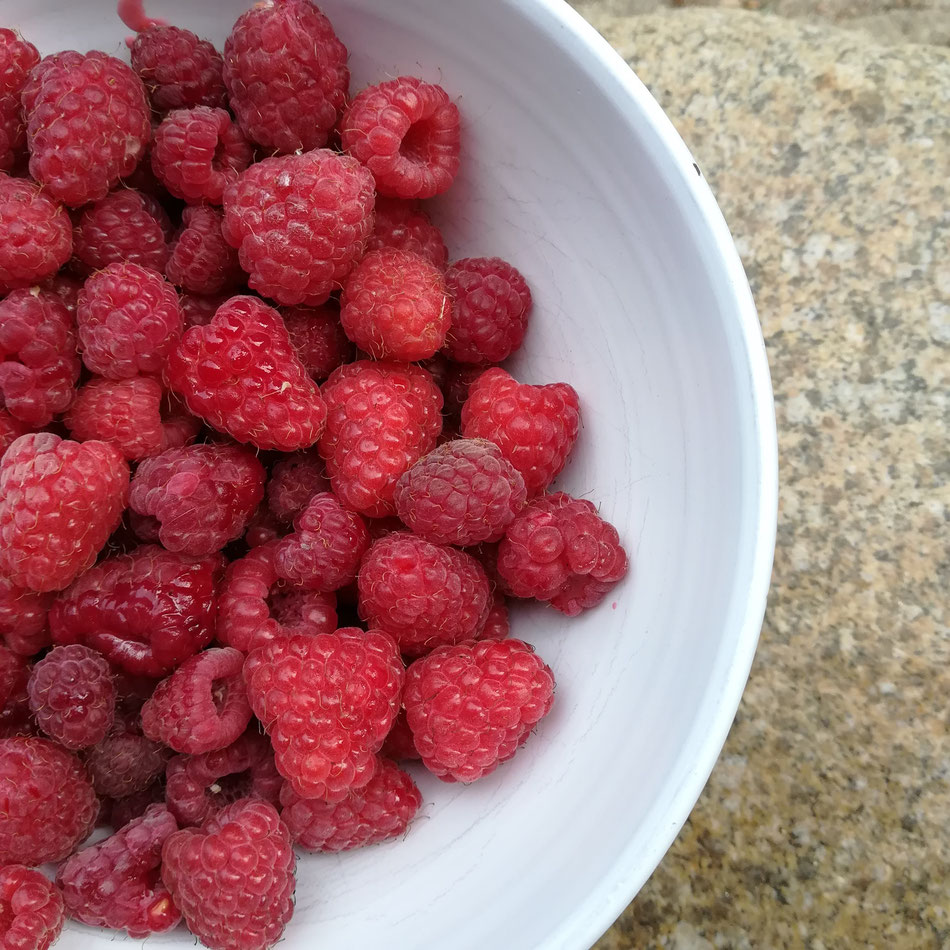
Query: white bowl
(572, 172)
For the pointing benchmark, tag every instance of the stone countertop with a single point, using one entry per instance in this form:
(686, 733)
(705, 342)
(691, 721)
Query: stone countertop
(826, 823)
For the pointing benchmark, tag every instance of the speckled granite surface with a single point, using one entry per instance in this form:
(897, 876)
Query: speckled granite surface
(826, 823)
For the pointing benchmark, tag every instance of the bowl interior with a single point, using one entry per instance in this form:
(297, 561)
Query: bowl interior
(571, 172)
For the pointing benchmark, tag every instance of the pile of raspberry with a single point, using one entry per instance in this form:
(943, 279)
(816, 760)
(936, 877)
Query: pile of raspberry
(266, 493)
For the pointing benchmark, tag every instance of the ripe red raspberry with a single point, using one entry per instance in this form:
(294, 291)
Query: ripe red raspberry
(294, 480)
(461, 493)
(67, 288)
(299, 223)
(201, 261)
(10, 430)
(406, 132)
(472, 706)
(87, 124)
(59, 502)
(286, 74)
(202, 706)
(14, 679)
(38, 362)
(120, 811)
(497, 626)
(23, 618)
(560, 550)
(318, 338)
(17, 58)
(325, 733)
(262, 528)
(47, 805)
(202, 495)
(534, 426)
(147, 611)
(399, 745)
(456, 383)
(406, 226)
(31, 908)
(116, 882)
(381, 417)
(380, 810)
(199, 310)
(324, 550)
(178, 69)
(233, 879)
(126, 225)
(125, 763)
(37, 234)
(240, 374)
(490, 309)
(198, 152)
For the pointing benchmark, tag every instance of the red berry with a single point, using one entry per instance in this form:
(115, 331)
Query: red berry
(17, 58)
(294, 480)
(201, 261)
(404, 225)
(124, 764)
(399, 745)
(456, 383)
(123, 810)
(327, 703)
(36, 233)
(31, 908)
(240, 374)
(299, 223)
(406, 132)
(318, 338)
(497, 626)
(66, 288)
(23, 618)
(199, 310)
(10, 430)
(262, 528)
(14, 682)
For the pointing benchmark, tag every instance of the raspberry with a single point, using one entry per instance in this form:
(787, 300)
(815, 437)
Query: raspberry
(233, 879)
(66, 288)
(461, 493)
(299, 223)
(286, 74)
(399, 744)
(490, 309)
(123, 810)
(381, 418)
(327, 703)
(318, 338)
(456, 383)
(115, 883)
(497, 626)
(394, 306)
(198, 152)
(47, 805)
(199, 310)
(126, 225)
(381, 810)
(202, 495)
(199, 786)
(178, 69)
(294, 480)
(471, 706)
(201, 261)
(240, 374)
(10, 430)
(87, 124)
(72, 696)
(202, 706)
(31, 908)
(147, 611)
(560, 550)
(38, 362)
(17, 58)
(534, 426)
(262, 528)
(324, 550)
(37, 234)
(404, 225)
(14, 679)
(125, 763)
(23, 618)
(59, 502)
(422, 594)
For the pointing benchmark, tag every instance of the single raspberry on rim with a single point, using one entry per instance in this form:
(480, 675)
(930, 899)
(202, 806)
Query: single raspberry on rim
(406, 226)
(17, 58)
(201, 261)
(31, 909)
(318, 338)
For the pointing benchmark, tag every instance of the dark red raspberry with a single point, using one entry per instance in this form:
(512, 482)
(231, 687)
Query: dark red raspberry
(490, 309)
(178, 69)
(472, 706)
(67, 288)
(201, 261)
(560, 550)
(23, 618)
(299, 223)
(534, 426)
(47, 804)
(123, 810)
(59, 502)
(381, 418)
(72, 696)
(126, 225)
(378, 811)
(10, 430)
(394, 306)
(324, 550)
(199, 786)
(14, 679)
(116, 882)
(233, 879)
(318, 338)
(37, 234)
(31, 908)
(202, 495)
(456, 383)
(87, 124)
(286, 74)
(406, 132)
(262, 528)
(497, 626)
(125, 763)
(326, 731)
(17, 58)
(399, 745)
(461, 493)
(38, 362)
(199, 310)
(406, 226)
(240, 373)
(294, 480)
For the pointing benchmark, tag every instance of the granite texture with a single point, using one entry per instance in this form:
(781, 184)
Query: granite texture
(826, 823)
